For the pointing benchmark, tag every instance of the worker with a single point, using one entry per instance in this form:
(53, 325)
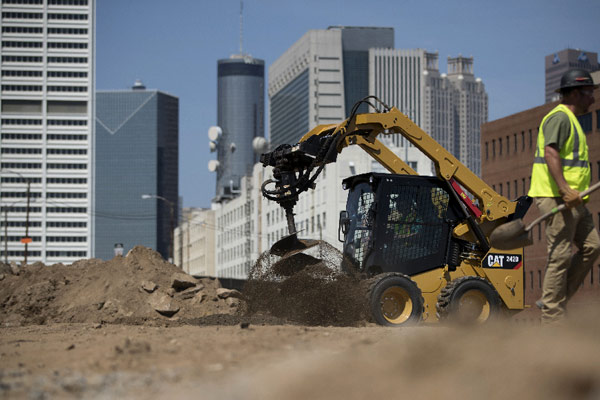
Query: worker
(561, 170)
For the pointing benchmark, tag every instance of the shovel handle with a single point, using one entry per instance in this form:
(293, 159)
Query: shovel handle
(560, 207)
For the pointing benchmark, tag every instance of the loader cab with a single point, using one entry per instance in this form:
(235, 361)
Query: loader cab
(398, 223)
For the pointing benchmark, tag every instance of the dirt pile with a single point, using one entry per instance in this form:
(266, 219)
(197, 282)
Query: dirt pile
(312, 288)
(139, 287)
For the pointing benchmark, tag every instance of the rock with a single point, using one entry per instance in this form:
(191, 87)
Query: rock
(149, 286)
(163, 304)
(199, 298)
(223, 293)
(171, 292)
(244, 325)
(5, 268)
(189, 293)
(1, 277)
(181, 281)
(232, 302)
(14, 268)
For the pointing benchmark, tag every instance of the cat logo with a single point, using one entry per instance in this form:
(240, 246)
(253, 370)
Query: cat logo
(504, 261)
(495, 261)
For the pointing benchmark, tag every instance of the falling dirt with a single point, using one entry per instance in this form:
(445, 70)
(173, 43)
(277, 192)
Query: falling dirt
(311, 288)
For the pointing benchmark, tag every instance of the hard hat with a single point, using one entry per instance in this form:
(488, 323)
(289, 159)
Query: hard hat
(575, 78)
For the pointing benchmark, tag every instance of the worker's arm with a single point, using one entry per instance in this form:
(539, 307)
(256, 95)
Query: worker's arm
(569, 195)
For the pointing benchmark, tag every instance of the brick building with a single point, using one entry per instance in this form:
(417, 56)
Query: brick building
(507, 149)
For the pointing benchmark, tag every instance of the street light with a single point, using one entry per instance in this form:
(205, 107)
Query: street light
(26, 240)
(172, 218)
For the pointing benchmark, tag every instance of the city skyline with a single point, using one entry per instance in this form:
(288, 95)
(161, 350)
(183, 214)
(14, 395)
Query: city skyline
(174, 47)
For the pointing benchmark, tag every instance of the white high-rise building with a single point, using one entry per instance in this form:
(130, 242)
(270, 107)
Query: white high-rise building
(47, 97)
(450, 107)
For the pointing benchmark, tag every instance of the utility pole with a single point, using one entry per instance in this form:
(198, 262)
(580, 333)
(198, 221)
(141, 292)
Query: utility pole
(27, 239)
(6, 235)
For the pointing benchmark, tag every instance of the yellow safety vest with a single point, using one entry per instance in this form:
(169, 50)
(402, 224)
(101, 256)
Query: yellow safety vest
(573, 155)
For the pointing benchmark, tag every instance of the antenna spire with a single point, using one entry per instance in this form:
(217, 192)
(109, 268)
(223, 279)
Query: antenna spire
(241, 26)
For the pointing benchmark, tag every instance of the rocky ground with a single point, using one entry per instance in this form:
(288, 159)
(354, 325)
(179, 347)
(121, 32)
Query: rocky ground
(136, 327)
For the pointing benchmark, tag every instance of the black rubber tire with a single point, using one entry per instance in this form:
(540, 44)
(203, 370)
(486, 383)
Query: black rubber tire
(451, 305)
(394, 300)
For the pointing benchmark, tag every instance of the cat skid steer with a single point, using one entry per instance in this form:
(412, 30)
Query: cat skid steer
(420, 242)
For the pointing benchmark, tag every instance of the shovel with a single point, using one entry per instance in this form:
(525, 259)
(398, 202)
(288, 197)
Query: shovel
(515, 234)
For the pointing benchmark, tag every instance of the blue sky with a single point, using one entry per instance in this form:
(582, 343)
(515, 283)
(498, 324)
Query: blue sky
(174, 45)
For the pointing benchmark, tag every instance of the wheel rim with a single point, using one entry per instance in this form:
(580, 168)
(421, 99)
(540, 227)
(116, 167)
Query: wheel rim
(396, 305)
(474, 306)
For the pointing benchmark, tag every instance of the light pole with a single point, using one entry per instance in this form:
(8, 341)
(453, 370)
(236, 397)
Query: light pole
(172, 219)
(26, 240)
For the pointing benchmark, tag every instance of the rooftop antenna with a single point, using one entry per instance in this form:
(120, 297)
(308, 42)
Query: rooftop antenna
(241, 26)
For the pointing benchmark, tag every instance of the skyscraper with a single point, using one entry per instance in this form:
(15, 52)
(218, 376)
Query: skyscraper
(450, 107)
(560, 62)
(320, 77)
(240, 115)
(137, 141)
(47, 75)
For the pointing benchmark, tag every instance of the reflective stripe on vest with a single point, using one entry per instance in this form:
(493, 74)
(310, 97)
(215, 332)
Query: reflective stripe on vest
(573, 156)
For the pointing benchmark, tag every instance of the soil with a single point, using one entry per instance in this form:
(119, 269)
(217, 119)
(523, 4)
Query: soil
(92, 331)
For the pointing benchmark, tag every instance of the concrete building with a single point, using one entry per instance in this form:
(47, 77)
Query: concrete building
(240, 116)
(508, 146)
(450, 107)
(137, 144)
(319, 78)
(47, 130)
(195, 242)
(558, 63)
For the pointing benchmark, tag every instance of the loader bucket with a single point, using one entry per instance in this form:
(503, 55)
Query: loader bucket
(290, 244)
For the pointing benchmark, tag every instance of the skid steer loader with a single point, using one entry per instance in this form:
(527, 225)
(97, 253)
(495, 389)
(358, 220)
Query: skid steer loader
(421, 242)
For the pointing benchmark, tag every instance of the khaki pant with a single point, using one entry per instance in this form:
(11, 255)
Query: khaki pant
(565, 272)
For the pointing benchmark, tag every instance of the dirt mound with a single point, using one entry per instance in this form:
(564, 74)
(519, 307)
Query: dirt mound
(315, 287)
(139, 287)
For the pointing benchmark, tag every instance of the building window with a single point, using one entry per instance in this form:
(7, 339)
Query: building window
(78, 17)
(507, 145)
(21, 73)
(25, 45)
(66, 166)
(28, 150)
(494, 148)
(531, 138)
(21, 136)
(68, 60)
(67, 45)
(21, 88)
(67, 88)
(585, 121)
(67, 74)
(67, 31)
(487, 155)
(21, 29)
(499, 146)
(22, 59)
(68, 2)
(522, 140)
(66, 137)
(21, 165)
(515, 139)
(21, 15)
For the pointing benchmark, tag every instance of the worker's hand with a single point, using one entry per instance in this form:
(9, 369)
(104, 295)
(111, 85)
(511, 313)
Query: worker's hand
(570, 196)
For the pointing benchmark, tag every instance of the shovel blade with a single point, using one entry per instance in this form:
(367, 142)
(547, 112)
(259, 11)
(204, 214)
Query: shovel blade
(290, 244)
